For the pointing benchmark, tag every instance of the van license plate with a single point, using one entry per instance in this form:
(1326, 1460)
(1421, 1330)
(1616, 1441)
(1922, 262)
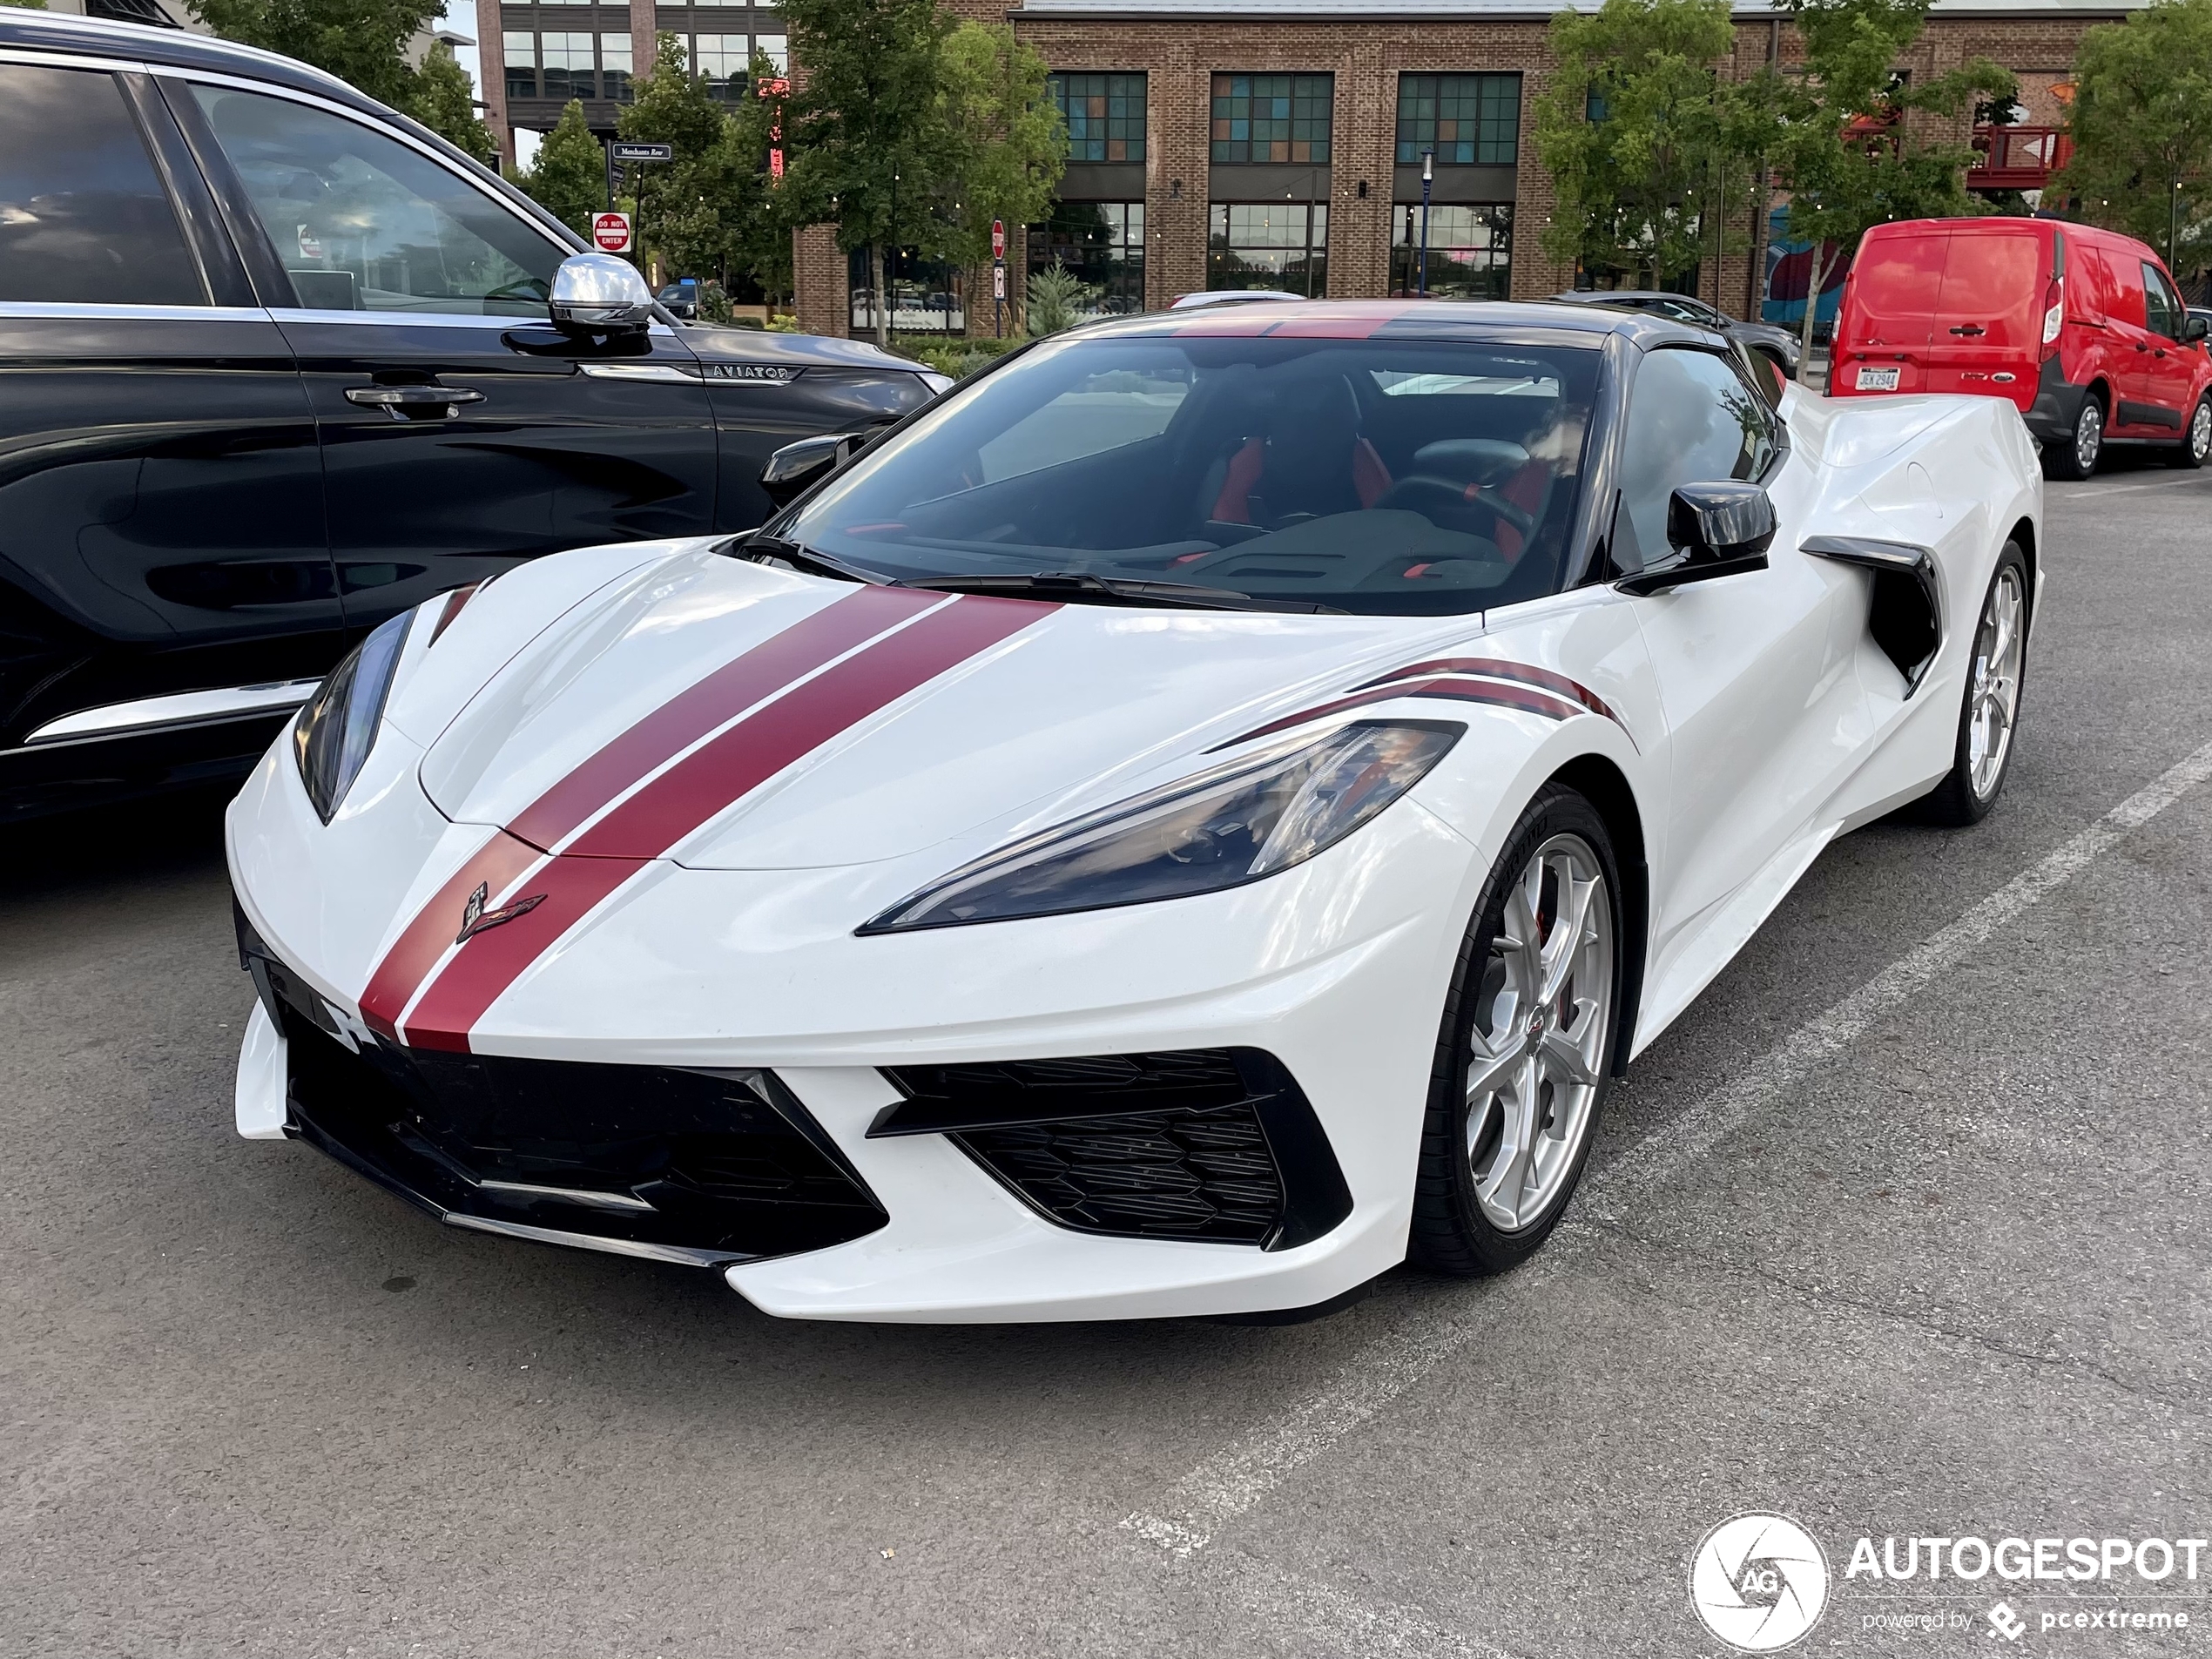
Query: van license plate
(1877, 380)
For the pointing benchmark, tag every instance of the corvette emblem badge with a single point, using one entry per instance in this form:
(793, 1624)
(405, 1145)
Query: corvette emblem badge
(475, 918)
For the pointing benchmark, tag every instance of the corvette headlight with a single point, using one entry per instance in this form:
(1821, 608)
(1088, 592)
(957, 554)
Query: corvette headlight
(337, 726)
(1225, 827)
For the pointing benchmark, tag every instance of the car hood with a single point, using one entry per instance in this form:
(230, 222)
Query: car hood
(729, 715)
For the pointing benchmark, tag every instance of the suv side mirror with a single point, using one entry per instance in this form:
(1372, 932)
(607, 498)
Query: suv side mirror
(797, 467)
(2194, 329)
(1717, 529)
(597, 293)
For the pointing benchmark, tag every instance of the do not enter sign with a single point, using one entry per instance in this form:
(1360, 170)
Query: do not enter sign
(611, 232)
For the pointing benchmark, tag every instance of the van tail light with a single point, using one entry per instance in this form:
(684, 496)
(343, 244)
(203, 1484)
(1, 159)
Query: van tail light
(2054, 314)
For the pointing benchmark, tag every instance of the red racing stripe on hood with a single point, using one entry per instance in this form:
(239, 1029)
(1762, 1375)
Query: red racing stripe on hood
(1498, 668)
(835, 628)
(696, 790)
(494, 865)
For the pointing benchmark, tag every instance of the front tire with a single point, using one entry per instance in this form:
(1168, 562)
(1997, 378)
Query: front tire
(2196, 444)
(2076, 458)
(1989, 712)
(1523, 1059)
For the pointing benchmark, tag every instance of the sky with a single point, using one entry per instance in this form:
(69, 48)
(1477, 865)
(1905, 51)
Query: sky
(459, 16)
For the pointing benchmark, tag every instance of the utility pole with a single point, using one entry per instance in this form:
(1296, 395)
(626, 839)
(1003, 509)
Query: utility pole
(1428, 181)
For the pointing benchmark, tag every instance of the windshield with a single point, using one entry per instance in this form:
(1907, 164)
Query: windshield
(1407, 477)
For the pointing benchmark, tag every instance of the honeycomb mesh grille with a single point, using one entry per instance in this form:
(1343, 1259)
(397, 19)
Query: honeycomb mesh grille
(1203, 1173)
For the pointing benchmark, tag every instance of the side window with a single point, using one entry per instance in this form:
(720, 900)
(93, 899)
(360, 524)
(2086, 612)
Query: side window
(1691, 421)
(361, 222)
(2162, 311)
(83, 217)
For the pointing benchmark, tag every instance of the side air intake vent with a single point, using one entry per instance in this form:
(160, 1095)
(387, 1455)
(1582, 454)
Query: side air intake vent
(1204, 1144)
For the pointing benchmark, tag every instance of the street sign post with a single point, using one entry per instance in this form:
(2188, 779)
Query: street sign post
(998, 277)
(644, 151)
(611, 232)
(619, 154)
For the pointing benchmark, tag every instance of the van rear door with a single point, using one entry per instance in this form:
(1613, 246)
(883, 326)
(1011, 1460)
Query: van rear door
(1895, 284)
(1988, 335)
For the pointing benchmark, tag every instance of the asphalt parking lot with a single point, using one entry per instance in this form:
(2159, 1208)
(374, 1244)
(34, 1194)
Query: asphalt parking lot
(1904, 1229)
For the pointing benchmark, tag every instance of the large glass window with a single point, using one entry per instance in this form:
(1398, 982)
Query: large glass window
(1470, 251)
(1692, 420)
(724, 61)
(1272, 118)
(361, 222)
(565, 66)
(1383, 476)
(1104, 244)
(1466, 119)
(519, 47)
(1268, 244)
(1105, 115)
(777, 50)
(614, 67)
(82, 216)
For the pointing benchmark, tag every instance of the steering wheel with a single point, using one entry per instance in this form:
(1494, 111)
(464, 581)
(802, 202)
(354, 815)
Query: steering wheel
(1425, 494)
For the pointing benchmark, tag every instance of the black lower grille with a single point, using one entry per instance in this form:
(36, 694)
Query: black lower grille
(687, 1165)
(1170, 1175)
(1218, 1144)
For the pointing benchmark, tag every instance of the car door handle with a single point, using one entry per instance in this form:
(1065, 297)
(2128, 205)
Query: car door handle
(1970, 328)
(397, 401)
(2140, 347)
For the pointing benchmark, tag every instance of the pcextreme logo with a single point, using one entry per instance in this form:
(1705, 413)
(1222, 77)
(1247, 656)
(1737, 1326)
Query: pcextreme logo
(1758, 1582)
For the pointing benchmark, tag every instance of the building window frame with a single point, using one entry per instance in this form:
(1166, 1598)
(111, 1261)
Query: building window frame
(1106, 242)
(1281, 245)
(1279, 118)
(1470, 250)
(1105, 112)
(1468, 118)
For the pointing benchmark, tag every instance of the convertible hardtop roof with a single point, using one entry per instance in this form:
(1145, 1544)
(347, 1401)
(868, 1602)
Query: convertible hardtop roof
(1497, 320)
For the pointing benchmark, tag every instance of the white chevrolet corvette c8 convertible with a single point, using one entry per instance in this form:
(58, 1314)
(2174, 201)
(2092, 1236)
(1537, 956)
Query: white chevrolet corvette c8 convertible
(1189, 819)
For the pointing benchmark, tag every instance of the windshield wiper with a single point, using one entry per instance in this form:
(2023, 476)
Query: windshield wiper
(758, 548)
(1083, 586)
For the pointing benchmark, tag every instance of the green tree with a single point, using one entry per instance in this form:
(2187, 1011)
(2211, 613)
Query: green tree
(567, 176)
(868, 140)
(681, 204)
(445, 102)
(363, 42)
(1857, 141)
(760, 245)
(1007, 142)
(1642, 137)
(28, 5)
(1056, 297)
(2142, 129)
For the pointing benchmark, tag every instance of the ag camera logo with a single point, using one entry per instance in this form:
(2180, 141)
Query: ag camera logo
(1758, 1582)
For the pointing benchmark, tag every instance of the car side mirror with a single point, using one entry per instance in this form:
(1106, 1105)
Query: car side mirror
(2194, 329)
(796, 467)
(597, 293)
(1716, 529)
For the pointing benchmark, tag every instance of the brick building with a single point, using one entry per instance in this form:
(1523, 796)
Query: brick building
(1269, 143)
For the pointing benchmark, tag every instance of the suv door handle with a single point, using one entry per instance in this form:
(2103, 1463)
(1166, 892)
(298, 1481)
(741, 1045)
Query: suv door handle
(398, 400)
(1970, 328)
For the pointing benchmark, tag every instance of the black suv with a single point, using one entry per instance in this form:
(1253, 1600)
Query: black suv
(276, 363)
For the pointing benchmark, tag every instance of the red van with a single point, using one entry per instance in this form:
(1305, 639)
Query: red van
(2082, 328)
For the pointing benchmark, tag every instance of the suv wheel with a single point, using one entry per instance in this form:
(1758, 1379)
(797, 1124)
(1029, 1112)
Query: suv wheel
(2193, 450)
(2077, 457)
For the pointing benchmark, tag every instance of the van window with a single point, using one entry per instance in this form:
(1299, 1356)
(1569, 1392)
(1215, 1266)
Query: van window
(1994, 278)
(2123, 285)
(2162, 307)
(1896, 283)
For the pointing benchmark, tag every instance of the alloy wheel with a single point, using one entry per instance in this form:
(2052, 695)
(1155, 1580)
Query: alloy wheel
(2088, 437)
(2201, 431)
(1993, 692)
(1539, 1031)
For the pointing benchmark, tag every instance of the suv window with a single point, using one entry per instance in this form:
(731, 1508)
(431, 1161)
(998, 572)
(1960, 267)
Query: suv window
(83, 215)
(2163, 310)
(1691, 421)
(361, 222)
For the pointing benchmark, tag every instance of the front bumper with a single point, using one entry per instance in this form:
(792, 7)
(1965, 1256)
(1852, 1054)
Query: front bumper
(1333, 975)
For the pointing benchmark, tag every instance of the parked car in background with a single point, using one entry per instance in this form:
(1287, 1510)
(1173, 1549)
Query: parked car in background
(2083, 329)
(277, 364)
(1777, 346)
(1230, 297)
(682, 299)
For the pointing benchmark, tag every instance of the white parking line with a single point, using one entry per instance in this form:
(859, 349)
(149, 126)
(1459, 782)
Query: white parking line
(2122, 489)
(1224, 1486)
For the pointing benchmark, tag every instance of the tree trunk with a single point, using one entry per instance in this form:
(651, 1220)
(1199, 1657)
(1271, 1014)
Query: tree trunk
(1816, 273)
(881, 304)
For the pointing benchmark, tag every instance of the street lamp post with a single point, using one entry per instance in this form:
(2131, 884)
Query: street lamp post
(1428, 180)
